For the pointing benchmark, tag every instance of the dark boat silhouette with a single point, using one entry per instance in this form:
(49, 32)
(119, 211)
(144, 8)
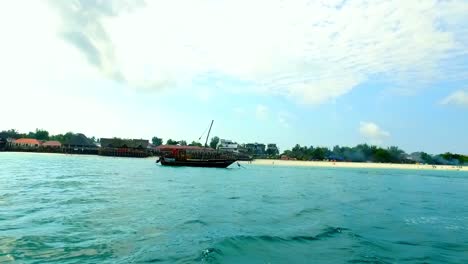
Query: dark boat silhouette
(208, 163)
(193, 156)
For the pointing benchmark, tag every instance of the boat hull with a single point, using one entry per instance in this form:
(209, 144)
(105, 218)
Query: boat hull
(198, 163)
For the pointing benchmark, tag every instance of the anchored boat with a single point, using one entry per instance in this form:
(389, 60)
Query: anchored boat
(194, 156)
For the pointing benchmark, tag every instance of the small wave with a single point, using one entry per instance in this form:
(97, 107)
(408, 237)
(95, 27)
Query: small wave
(308, 211)
(234, 198)
(424, 259)
(271, 199)
(35, 248)
(451, 246)
(196, 221)
(367, 200)
(210, 253)
(406, 243)
(326, 233)
(370, 259)
(154, 260)
(77, 200)
(240, 243)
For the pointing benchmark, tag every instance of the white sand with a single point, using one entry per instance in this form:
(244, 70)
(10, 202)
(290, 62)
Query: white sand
(354, 165)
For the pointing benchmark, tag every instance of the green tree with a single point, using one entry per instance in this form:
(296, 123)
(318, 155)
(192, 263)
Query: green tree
(64, 138)
(12, 133)
(214, 142)
(58, 137)
(319, 153)
(396, 155)
(272, 151)
(382, 155)
(31, 135)
(197, 144)
(171, 142)
(68, 136)
(41, 134)
(427, 158)
(183, 143)
(157, 141)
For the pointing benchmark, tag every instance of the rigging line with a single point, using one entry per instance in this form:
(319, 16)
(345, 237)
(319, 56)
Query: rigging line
(203, 134)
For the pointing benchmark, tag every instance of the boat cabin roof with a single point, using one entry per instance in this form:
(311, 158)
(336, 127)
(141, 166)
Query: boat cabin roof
(173, 147)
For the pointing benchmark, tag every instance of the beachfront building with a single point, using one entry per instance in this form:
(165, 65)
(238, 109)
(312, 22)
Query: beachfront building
(26, 143)
(256, 149)
(228, 146)
(79, 144)
(53, 144)
(124, 147)
(286, 157)
(3, 142)
(10, 142)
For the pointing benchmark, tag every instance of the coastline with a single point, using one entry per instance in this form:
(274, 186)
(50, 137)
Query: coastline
(362, 165)
(300, 163)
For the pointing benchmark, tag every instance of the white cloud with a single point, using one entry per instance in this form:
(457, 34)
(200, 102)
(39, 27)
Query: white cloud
(372, 132)
(204, 94)
(459, 98)
(239, 110)
(313, 51)
(283, 121)
(284, 118)
(261, 112)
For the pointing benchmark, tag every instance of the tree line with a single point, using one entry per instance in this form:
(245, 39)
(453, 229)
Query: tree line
(156, 141)
(370, 153)
(40, 134)
(359, 153)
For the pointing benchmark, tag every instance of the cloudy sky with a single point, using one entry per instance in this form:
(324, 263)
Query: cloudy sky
(308, 72)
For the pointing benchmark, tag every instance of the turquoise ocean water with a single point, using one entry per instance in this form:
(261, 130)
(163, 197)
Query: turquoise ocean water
(90, 209)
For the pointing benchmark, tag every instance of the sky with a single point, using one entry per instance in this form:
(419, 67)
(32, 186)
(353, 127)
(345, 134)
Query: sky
(292, 72)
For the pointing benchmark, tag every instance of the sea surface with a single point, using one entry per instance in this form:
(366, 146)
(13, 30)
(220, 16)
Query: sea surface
(91, 209)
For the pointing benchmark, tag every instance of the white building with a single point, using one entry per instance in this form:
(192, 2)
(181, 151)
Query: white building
(227, 145)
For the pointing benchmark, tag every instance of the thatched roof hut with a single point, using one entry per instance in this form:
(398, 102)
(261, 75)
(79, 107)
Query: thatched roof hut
(124, 143)
(79, 140)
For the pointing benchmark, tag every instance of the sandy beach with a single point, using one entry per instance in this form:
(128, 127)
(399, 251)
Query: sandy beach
(354, 165)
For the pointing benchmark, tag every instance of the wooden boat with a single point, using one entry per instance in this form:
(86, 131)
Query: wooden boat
(195, 156)
(208, 163)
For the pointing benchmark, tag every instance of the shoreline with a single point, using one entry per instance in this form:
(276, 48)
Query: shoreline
(361, 165)
(298, 163)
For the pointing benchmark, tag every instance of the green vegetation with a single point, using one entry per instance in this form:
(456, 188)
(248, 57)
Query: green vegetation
(272, 152)
(214, 142)
(359, 153)
(156, 141)
(39, 134)
(449, 156)
(12, 133)
(171, 142)
(62, 138)
(196, 144)
(369, 153)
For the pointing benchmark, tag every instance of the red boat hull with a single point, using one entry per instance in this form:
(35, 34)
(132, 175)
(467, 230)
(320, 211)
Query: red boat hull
(217, 163)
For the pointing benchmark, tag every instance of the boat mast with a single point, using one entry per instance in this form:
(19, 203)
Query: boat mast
(207, 136)
(206, 141)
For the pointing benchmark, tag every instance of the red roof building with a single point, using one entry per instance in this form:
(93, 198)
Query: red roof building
(52, 144)
(27, 142)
